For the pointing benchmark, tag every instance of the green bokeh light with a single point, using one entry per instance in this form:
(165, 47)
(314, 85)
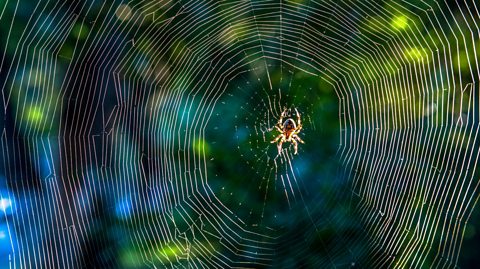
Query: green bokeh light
(80, 31)
(34, 115)
(416, 54)
(200, 146)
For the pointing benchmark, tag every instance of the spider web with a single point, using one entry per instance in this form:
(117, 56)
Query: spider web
(138, 133)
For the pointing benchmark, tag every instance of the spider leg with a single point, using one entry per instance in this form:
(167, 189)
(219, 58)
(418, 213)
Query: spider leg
(299, 128)
(279, 147)
(295, 146)
(280, 120)
(277, 138)
(299, 139)
(279, 129)
(299, 118)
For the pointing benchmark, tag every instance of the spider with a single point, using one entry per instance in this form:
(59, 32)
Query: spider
(289, 131)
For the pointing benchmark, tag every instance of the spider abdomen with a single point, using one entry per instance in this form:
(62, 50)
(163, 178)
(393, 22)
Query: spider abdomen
(289, 126)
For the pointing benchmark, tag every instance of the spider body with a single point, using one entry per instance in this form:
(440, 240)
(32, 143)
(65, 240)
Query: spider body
(289, 130)
(289, 127)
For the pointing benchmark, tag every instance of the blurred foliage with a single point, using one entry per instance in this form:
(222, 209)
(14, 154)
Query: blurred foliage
(302, 206)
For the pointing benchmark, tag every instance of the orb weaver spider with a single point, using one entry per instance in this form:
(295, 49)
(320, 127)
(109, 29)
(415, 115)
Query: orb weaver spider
(289, 131)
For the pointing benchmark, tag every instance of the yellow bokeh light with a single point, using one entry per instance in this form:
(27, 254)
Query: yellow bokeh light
(123, 12)
(233, 32)
(416, 54)
(399, 22)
